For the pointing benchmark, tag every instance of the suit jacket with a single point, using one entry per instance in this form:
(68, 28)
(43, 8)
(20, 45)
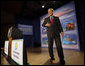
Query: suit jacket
(55, 28)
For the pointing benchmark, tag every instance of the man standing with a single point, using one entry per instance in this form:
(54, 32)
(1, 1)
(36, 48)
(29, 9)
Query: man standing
(54, 29)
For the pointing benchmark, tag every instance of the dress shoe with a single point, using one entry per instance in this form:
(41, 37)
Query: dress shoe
(62, 62)
(51, 60)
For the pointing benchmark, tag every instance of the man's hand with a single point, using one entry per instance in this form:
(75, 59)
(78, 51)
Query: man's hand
(48, 24)
(62, 34)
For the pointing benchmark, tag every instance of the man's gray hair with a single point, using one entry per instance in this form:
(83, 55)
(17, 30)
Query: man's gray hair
(50, 9)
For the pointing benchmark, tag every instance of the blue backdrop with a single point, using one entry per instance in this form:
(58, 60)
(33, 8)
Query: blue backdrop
(31, 40)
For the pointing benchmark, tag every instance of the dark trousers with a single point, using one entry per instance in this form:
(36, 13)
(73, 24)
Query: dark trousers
(51, 38)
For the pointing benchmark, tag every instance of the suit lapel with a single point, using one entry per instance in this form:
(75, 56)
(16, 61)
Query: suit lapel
(49, 19)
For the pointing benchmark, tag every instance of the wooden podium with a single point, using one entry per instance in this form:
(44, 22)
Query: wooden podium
(13, 35)
(10, 43)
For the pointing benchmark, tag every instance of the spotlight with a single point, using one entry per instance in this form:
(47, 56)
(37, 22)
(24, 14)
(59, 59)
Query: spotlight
(43, 6)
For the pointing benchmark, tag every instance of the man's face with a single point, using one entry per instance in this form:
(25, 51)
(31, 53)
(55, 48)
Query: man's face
(50, 12)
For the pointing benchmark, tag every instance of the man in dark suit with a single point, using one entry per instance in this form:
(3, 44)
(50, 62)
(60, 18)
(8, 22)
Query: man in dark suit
(54, 29)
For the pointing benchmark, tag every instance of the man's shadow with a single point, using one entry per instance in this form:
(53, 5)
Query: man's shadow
(51, 63)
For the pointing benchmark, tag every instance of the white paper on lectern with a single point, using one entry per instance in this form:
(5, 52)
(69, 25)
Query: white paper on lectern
(6, 47)
(17, 51)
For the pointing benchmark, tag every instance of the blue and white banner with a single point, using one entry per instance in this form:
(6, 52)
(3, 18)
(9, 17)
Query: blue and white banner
(26, 29)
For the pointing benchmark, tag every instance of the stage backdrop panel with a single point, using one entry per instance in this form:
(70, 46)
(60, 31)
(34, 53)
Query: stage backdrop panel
(26, 29)
(67, 16)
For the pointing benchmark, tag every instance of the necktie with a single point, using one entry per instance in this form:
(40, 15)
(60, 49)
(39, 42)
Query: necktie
(51, 19)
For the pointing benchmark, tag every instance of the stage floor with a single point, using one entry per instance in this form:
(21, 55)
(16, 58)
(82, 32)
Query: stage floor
(40, 56)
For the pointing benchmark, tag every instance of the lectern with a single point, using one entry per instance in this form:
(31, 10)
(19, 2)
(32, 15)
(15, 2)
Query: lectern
(17, 54)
